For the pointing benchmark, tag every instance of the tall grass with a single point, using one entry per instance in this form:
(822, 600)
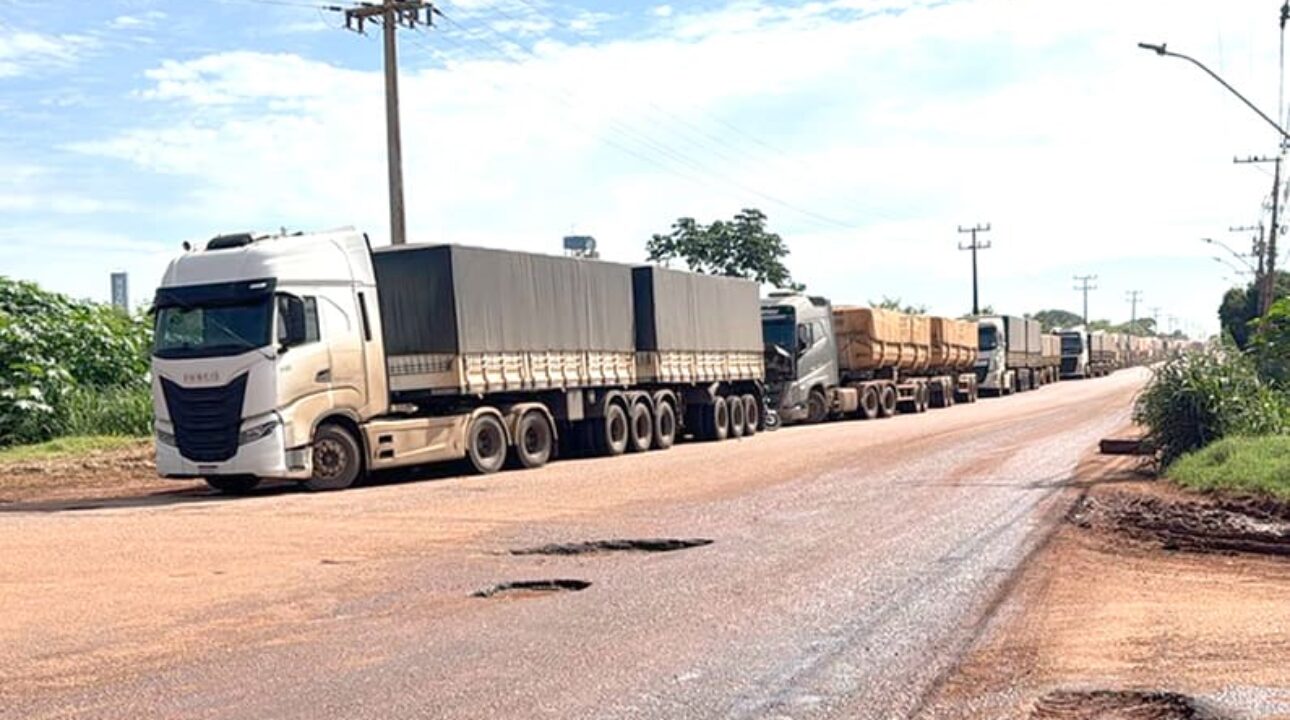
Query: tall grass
(106, 411)
(1199, 397)
(1244, 464)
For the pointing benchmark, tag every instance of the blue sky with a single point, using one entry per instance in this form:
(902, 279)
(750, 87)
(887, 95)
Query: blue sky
(868, 130)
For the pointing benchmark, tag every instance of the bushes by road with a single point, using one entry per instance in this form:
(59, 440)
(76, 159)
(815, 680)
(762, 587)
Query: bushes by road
(69, 367)
(1199, 397)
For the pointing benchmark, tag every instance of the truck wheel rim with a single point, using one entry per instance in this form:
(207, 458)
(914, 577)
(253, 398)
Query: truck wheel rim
(329, 458)
(534, 439)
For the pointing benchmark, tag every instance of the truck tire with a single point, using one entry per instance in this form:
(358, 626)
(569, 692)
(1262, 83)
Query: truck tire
(534, 440)
(664, 426)
(752, 414)
(735, 407)
(486, 444)
(923, 399)
(234, 484)
(870, 403)
(817, 407)
(717, 420)
(641, 438)
(337, 459)
(611, 431)
(887, 401)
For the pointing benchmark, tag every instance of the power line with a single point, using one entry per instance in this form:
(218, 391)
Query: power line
(645, 139)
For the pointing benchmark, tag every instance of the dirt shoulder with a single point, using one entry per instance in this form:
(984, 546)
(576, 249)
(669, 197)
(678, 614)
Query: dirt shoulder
(98, 475)
(1148, 602)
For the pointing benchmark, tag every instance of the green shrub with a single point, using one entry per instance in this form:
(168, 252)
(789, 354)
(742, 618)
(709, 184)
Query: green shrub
(57, 355)
(106, 411)
(1243, 464)
(1199, 397)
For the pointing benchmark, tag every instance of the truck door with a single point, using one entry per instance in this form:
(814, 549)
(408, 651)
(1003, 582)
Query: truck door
(304, 368)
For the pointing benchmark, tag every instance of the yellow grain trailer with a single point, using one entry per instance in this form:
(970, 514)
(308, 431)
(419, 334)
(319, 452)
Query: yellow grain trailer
(889, 360)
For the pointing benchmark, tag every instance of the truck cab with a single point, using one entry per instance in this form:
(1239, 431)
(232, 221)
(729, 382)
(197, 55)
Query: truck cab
(259, 341)
(1075, 354)
(801, 356)
(992, 371)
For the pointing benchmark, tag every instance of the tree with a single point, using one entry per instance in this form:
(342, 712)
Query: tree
(1051, 320)
(741, 247)
(1241, 305)
(890, 303)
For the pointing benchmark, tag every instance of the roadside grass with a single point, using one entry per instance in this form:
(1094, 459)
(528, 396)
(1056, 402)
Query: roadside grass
(1243, 464)
(68, 447)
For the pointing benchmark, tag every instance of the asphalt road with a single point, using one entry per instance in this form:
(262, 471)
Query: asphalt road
(851, 567)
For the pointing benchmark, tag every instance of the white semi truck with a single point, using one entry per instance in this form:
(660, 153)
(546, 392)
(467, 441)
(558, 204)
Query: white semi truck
(314, 358)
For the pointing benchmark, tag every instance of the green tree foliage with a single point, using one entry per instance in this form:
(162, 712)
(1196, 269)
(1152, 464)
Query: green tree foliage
(1270, 344)
(56, 355)
(1051, 320)
(741, 247)
(1198, 397)
(890, 303)
(1240, 307)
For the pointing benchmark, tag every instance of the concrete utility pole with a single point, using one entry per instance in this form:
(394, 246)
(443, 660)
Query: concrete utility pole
(1267, 286)
(1133, 296)
(389, 14)
(974, 246)
(1155, 320)
(1085, 284)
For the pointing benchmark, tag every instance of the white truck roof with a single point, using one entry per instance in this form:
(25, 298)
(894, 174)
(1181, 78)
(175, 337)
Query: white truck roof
(314, 258)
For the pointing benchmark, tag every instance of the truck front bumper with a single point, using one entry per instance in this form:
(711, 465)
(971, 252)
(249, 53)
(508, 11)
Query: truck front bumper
(266, 457)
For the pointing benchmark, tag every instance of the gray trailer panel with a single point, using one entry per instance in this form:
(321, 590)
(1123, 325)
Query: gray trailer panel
(683, 311)
(450, 299)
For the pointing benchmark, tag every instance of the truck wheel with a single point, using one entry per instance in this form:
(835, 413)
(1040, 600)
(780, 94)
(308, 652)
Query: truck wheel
(486, 444)
(752, 414)
(817, 409)
(641, 438)
(735, 407)
(887, 401)
(534, 440)
(869, 402)
(337, 459)
(718, 420)
(924, 400)
(234, 484)
(612, 431)
(664, 426)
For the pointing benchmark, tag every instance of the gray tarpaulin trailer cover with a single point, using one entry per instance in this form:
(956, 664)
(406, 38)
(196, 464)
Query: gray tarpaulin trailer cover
(684, 311)
(454, 300)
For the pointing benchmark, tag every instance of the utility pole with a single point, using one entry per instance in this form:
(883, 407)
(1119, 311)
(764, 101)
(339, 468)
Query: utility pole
(1155, 320)
(1133, 296)
(974, 246)
(1267, 287)
(390, 14)
(1085, 284)
(1256, 248)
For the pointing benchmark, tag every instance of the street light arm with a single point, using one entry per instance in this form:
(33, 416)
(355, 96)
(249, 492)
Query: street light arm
(1228, 248)
(1160, 50)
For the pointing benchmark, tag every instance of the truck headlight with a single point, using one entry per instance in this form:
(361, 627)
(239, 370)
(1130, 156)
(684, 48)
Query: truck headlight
(252, 434)
(166, 438)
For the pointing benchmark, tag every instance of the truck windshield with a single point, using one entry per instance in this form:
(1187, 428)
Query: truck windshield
(780, 330)
(1072, 344)
(213, 320)
(987, 338)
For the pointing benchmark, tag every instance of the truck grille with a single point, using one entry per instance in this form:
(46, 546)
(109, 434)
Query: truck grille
(207, 419)
(1068, 364)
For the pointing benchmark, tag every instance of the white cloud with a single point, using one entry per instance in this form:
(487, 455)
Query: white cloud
(24, 52)
(1083, 151)
(141, 21)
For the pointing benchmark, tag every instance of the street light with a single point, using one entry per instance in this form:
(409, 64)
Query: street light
(1239, 256)
(1160, 50)
(1231, 265)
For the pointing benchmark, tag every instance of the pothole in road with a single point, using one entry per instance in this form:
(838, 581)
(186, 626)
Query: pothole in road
(1119, 705)
(522, 588)
(651, 545)
(1227, 526)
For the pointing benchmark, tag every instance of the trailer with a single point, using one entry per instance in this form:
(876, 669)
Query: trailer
(1050, 358)
(348, 360)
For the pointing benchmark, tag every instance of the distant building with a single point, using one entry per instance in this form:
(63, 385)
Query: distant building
(121, 291)
(583, 246)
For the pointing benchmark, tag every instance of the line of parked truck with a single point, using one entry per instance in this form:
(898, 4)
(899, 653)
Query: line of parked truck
(317, 359)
